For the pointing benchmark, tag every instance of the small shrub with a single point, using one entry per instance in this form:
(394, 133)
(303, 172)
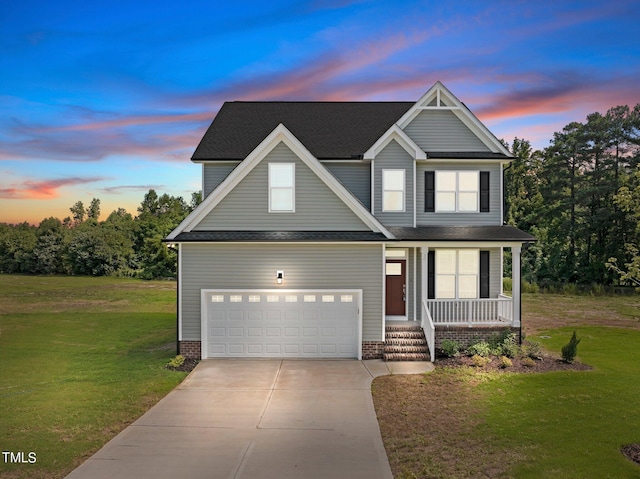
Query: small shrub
(479, 361)
(527, 362)
(176, 362)
(480, 348)
(531, 349)
(570, 289)
(570, 349)
(509, 346)
(505, 362)
(450, 347)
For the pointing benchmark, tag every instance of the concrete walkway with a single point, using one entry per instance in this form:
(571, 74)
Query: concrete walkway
(266, 419)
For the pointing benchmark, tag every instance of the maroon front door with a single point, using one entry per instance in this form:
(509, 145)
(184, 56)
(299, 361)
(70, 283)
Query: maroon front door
(396, 287)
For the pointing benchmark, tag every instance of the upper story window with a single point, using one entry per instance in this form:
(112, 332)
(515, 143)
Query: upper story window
(282, 187)
(457, 191)
(393, 190)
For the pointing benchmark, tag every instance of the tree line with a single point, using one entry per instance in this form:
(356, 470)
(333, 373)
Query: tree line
(81, 244)
(580, 197)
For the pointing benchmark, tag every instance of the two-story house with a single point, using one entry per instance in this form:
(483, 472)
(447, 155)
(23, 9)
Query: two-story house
(324, 223)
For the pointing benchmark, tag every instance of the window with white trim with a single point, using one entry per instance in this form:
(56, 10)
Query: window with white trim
(393, 195)
(457, 273)
(282, 187)
(457, 191)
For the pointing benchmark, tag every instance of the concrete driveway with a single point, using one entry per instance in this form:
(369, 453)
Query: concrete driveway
(257, 419)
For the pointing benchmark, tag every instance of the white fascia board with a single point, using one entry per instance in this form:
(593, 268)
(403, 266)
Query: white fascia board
(457, 244)
(435, 159)
(460, 110)
(279, 134)
(395, 133)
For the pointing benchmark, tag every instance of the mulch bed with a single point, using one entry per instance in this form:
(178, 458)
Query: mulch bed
(632, 452)
(544, 364)
(187, 366)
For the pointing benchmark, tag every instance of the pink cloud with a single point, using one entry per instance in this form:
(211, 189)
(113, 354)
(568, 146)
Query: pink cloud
(42, 190)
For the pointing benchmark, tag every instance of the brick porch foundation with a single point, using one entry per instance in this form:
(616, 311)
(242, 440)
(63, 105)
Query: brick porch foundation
(466, 335)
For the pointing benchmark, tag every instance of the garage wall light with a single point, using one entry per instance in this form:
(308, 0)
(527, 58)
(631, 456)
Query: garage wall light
(279, 276)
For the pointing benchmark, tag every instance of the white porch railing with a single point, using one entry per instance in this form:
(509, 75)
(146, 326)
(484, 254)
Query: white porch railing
(429, 330)
(471, 312)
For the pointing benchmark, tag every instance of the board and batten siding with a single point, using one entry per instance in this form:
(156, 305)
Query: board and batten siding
(246, 207)
(493, 217)
(393, 157)
(355, 176)
(214, 173)
(442, 130)
(305, 266)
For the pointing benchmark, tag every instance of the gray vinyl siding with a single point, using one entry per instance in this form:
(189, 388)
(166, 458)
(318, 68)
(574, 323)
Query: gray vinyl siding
(356, 177)
(213, 174)
(442, 130)
(495, 272)
(246, 207)
(493, 217)
(253, 266)
(394, 157)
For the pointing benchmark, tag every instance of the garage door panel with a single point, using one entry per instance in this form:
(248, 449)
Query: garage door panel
(254, 332)
(310, 332)
(274, 348)
(282, 324)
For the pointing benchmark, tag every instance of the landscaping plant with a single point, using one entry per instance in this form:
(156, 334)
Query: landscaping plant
(570, 350)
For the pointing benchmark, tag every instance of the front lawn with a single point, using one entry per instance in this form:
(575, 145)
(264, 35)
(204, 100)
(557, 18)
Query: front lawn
(466, 422)
(81, 358)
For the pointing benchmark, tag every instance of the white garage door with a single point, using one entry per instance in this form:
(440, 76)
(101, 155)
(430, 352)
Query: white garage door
(301, 323)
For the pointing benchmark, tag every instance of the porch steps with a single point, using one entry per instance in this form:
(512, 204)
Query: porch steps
(405, 342)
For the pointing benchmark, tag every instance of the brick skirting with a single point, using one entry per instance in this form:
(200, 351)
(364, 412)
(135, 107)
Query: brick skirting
(372, 349)
(190, 349)
(466, 335)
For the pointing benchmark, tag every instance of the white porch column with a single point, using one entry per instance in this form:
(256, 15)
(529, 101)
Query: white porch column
(515, 283)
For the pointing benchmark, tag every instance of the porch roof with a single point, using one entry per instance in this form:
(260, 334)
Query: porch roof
(461, 233)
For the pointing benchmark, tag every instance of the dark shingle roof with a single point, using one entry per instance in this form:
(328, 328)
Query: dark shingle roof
(327, 129)
(421, 233)
(461, 233)
(277, 236)
(467, 155)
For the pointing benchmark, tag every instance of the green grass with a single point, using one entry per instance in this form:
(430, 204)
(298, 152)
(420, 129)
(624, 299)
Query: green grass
(571, 424)
(80, 358)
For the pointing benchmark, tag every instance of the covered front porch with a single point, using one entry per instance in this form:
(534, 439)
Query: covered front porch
(458, 286)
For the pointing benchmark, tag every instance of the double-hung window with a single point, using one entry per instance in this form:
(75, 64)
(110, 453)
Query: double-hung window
(456, 273)
(393, 195)
(281, 187)
(457, 191)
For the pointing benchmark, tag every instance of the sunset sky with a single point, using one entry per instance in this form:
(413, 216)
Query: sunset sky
(108, 99)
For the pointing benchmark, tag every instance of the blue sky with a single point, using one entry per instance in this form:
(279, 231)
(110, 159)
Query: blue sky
(110, 98)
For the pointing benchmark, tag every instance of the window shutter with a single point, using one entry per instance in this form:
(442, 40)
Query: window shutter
(484, 274)
(484, 192)
(430, 191)
(431, 275)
